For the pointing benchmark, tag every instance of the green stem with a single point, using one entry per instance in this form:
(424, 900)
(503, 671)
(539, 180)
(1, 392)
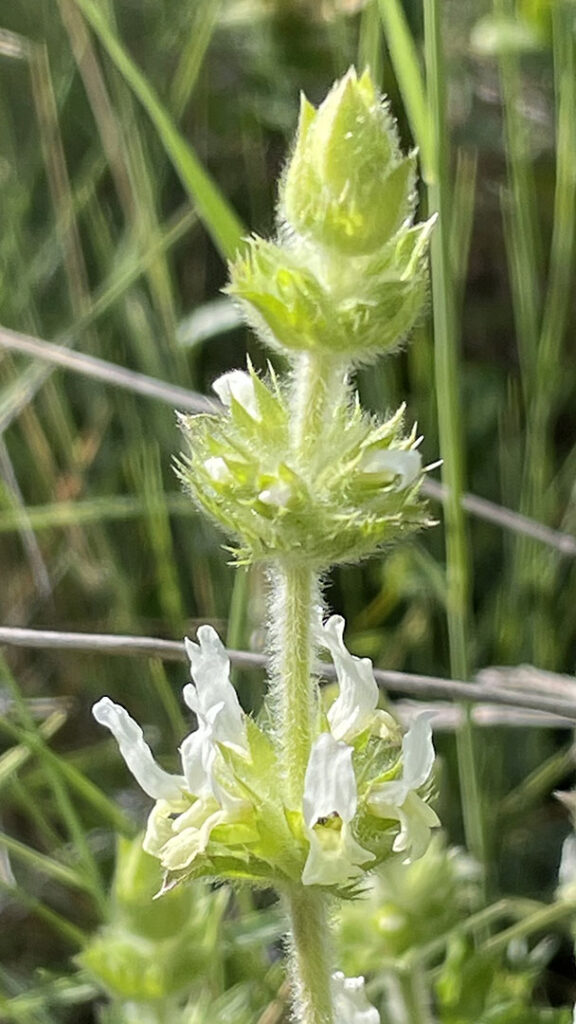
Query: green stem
(449, 418)
(293, 688)
(541, 921)
(310, 957)
(318, 388)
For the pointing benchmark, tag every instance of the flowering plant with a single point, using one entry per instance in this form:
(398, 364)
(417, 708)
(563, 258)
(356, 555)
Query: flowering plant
(300, 478)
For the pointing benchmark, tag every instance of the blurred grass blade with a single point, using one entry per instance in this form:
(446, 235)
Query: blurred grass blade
(119, 507)
(12, 489)
(451, 435)
(63, 927)
(408, 71)
(370, 40)
(19, 393)
(222, 223)
(12, 760)
(462, 221)
(192, 52)
(57, 767)
(56, 870)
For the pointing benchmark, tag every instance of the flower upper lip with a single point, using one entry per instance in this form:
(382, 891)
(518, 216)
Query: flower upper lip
(351, 711)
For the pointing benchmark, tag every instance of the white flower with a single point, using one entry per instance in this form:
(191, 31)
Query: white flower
(350, 1003)
(214, 701)
(396, 466)
(329, 805)
(211, 695)
(354, 708)
(190, 805)
(398, 798)
(157, 783)
(238, 385)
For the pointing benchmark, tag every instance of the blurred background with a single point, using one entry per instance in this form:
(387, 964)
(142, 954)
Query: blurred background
(139, 142)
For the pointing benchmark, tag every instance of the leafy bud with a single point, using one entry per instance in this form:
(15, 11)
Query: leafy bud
(347, 186)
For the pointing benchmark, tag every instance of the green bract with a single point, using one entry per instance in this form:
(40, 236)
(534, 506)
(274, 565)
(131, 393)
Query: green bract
(367, 309)
(355, 494)
(347, 185)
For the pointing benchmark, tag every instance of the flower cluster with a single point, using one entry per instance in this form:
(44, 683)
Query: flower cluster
(347, 276)
(364, 794)
(241, 469)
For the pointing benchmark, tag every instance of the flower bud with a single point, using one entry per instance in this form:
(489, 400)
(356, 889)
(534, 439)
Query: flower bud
(238, 386)
(347, 185)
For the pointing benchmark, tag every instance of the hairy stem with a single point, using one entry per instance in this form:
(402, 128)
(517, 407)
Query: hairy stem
(310, 957)
(294, 689)
(318, 388)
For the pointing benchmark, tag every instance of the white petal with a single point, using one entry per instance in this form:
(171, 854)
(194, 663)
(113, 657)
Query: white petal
(353, 708)
(238, 385)
(416, 819)
(197, 753)
(217, 470)
(278, 494)
(334, 858)
(329, 783)
(157, 783)
(418, 752)
(567, 869)
(213, 697)
(351, 1005)
(179, 852)
(393, 463)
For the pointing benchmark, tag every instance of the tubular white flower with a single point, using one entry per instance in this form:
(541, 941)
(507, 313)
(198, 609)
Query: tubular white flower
(189, 806)
(211, 695)
(351, 1005)
(238, 385)
(402, 467)
(398, 798)
(329, 805)
(329, 784)
(157, 783)
(220, 720)
(352, 710)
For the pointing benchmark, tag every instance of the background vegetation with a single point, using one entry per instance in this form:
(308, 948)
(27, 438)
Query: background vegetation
(137, 142)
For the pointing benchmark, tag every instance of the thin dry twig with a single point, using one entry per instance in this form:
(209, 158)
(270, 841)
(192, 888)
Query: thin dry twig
(564, 543)
(101, 369)
(419, 686)
(190, 401)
